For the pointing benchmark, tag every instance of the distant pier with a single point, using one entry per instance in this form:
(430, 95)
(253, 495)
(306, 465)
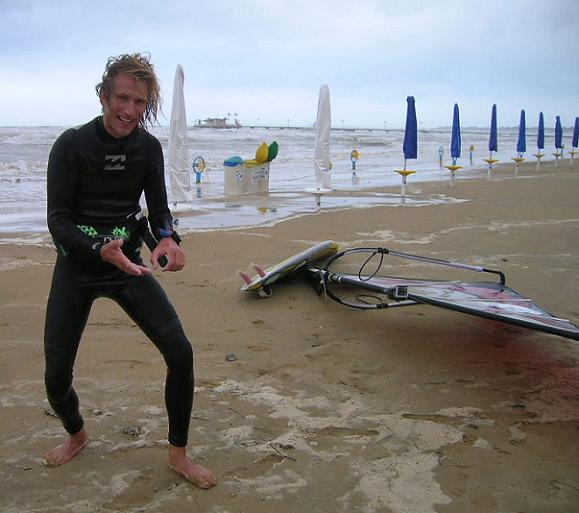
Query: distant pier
(293, 127)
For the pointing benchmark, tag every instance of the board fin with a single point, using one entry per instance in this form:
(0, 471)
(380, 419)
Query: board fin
(259, 270)
(246, 279)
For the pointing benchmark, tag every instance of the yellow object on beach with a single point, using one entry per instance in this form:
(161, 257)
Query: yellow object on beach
(490, 161)
(354, 154)
(518, 160)
(261, 153)
(404, 172)
(251, 163)
(453, 167)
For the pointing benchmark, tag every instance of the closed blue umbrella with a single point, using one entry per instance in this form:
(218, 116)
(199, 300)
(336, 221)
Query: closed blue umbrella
(575, 140)
(455, 142)
(493, 144)
(521, 141)
(541, 133)
(540, 140)
(558, 133)
(493, 139)
(410, 146)
(558, 140)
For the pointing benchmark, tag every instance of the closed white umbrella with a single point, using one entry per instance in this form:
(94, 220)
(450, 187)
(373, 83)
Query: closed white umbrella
(322, 144)
(322, 164)
(177, 154)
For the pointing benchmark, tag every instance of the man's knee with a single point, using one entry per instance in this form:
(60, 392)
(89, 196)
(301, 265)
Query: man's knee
(178, 352)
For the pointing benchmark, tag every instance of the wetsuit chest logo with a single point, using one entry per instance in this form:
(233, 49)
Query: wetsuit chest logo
(115, 162)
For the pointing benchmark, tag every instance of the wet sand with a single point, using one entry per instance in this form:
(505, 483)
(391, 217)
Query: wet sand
(323, 408)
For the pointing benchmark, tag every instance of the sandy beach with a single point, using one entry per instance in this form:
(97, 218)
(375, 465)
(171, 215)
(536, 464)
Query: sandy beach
(322, 408)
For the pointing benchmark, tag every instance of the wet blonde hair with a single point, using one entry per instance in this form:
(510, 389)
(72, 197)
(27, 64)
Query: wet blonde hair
(139, 66)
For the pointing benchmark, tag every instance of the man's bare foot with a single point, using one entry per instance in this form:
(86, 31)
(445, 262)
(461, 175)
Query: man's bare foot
(67, 450)
(196, 474)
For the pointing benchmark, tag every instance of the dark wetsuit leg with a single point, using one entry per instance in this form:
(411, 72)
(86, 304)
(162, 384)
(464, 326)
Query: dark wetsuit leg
(74, 288)
(67, 311)
(147, 304)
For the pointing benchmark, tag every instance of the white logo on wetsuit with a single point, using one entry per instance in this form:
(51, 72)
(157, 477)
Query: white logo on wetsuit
(115, 162)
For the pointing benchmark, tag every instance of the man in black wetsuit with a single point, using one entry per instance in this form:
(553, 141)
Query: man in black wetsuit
(96, 175)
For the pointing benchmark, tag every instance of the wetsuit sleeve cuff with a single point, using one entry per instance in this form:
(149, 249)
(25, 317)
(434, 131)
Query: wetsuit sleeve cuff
(164, 234)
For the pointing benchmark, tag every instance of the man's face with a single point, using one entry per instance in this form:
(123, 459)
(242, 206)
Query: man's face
(125, 107)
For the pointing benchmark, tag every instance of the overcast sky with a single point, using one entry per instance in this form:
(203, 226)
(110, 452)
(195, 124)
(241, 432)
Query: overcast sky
(266, 59)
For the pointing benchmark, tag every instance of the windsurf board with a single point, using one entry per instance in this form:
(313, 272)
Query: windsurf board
(265, 277)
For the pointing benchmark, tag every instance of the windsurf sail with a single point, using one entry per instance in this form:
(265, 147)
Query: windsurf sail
(366, 289)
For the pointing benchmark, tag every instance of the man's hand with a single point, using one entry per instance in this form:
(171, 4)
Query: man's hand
(111, 252)
(169, 248)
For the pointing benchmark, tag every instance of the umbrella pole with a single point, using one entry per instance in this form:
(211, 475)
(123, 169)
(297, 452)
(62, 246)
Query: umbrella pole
(490, 161)
(452, 172)
(518, 159)
(317, 201)
(404, 173)
(317, 193)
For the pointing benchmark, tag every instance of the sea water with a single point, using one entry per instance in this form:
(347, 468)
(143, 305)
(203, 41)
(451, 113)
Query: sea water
(24, 155)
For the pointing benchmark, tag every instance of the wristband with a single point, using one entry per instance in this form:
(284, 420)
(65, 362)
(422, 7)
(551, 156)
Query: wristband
(163, 234)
